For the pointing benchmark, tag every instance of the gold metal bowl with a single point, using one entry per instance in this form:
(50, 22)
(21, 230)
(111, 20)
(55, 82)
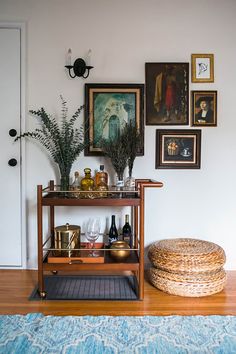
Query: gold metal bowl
(119, 250)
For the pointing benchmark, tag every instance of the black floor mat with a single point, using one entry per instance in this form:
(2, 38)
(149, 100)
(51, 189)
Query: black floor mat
(61, 287)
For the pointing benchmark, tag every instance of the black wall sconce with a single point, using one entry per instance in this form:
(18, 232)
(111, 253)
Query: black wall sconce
(80, 68)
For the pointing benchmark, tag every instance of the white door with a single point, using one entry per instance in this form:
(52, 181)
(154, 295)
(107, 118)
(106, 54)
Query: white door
(10, 156)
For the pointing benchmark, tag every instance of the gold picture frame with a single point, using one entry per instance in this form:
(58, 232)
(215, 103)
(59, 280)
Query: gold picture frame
(202, 67)
(204, 108)
(106, 103)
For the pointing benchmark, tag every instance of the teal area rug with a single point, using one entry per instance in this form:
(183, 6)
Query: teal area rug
(35, 333)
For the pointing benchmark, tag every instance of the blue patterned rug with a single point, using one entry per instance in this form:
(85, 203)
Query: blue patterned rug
(35, 333)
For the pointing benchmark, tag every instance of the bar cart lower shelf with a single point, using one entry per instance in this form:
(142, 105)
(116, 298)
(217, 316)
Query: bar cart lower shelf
(125, 280)
(89, 287)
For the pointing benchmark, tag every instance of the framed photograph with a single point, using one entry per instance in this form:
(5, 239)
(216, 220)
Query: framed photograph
(202, 67)
(108, 108)
(178, 148)
(204, 108)
(167, 93)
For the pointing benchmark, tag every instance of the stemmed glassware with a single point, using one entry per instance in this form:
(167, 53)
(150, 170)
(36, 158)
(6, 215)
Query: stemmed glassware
(92, 233)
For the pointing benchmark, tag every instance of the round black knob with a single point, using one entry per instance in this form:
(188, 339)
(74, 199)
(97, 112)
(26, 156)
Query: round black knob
(12, 162)
(12, 132)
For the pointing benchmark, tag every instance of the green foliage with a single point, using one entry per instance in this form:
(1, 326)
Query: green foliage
(123, 150)
(134, 143)
(63, 140)
(116, 150)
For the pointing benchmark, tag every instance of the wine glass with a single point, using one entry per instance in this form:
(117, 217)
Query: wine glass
(92, 233)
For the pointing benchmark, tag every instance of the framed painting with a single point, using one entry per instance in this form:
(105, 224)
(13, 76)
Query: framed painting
(202, 66)
(204, 108)
(178, 148)
(107, 108)
(167, 93)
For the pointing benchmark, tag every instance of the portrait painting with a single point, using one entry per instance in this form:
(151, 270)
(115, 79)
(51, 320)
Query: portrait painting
(178, 148)
(167, 93)
(202, 67)
(108, 108)
(204, 108)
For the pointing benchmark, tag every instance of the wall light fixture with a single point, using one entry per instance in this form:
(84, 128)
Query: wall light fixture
(80, 67)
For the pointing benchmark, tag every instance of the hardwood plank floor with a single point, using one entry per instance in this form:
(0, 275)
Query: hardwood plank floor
(17, 285)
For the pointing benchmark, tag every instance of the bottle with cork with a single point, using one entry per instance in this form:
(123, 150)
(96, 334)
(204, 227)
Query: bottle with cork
(101, 174)
(76, 185)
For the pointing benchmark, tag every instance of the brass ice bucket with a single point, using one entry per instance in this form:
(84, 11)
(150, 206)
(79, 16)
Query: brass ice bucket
(66, 238)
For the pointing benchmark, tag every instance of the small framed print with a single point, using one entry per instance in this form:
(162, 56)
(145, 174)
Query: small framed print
(178, 148)
(204, 108)
(202, 67)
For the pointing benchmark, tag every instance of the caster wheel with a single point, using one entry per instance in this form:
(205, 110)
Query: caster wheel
(42, 294)
(54, 272)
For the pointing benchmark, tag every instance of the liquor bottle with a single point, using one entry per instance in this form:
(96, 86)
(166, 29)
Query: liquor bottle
(87, 183)
(113, 233)
(127, 232)
(102, 188)
(101, 173)
(76, 185)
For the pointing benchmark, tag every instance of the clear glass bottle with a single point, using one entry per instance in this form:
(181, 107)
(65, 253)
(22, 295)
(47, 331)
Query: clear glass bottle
(127, 232)
(102, 188)
(76, 185)
(113, 233)
(101, 174)
(87, 184)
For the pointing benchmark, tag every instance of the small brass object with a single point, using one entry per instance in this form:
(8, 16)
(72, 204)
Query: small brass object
(119, 250)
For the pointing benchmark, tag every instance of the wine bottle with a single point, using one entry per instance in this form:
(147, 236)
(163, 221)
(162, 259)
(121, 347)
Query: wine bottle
(113, 233)
(127, 232)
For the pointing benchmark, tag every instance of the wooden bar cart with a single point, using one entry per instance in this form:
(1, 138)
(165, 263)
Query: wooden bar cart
(52, 198)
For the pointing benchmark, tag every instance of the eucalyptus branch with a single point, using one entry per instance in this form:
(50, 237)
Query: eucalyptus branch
(62, 140)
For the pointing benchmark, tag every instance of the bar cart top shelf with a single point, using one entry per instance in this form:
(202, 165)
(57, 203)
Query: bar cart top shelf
(53, 196)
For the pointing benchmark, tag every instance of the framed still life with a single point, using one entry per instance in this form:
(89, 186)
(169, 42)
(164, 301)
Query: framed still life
(167, 93)
(204, 108)
(178, 148)
(202, 67)
(108, 107)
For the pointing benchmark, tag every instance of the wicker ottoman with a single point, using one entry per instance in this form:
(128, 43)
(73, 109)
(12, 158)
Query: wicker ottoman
(187, 267)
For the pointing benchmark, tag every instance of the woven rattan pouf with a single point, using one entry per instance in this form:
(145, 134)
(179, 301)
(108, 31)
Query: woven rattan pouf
(187, 267)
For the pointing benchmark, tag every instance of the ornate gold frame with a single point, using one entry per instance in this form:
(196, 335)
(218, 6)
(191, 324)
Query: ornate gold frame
(207, 72)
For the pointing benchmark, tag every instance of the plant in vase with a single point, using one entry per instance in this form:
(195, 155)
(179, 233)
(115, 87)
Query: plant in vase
(131, 135)
(62, 140)
(116, 150)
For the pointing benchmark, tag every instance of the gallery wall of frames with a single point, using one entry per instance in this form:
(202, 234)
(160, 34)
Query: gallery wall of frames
(167, 96)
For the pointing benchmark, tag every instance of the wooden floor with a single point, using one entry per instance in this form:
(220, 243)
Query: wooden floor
(17, 285)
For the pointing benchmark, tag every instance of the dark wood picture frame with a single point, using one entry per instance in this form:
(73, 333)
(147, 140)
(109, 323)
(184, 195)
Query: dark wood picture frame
(204, 108)
(107, 107)
(178, 148)
(167, 93)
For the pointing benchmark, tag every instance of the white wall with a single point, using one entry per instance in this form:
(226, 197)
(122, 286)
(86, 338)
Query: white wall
(123, 35)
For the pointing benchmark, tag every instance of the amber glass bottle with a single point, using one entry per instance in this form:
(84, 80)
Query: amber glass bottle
(102, 188)
(87, 183)
(101, 174)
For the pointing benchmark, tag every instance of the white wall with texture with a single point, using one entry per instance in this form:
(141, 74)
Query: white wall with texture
(123, 35)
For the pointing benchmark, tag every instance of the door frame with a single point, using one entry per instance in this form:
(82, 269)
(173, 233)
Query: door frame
(22, 27)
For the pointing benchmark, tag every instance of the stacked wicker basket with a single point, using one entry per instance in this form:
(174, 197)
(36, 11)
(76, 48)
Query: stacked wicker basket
(187, 267)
